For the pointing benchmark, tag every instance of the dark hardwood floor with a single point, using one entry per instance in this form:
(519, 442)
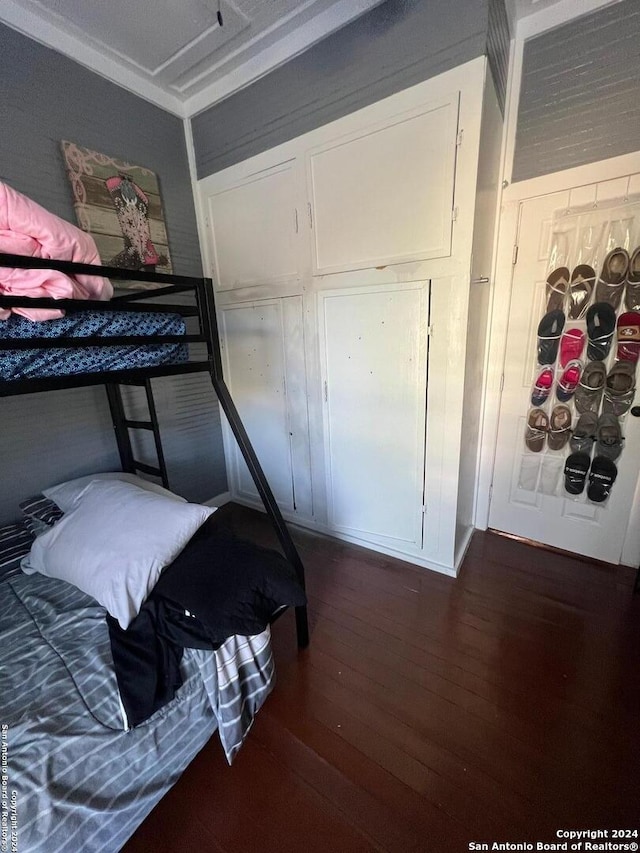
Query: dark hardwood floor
(429, 712)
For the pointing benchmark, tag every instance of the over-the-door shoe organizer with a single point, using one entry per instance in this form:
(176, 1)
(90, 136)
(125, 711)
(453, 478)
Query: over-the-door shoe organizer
(587, 349)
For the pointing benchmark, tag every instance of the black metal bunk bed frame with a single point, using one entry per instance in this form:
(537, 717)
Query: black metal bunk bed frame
(204, 310)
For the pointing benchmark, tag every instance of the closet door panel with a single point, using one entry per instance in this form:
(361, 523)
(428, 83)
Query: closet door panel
(374, 354)
(254, 228)
(384, 194)
(253, 337)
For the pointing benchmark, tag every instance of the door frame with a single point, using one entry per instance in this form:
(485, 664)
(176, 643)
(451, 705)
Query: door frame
(512, 197)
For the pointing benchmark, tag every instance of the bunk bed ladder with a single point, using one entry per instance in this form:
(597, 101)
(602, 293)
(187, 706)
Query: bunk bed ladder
(123, 426)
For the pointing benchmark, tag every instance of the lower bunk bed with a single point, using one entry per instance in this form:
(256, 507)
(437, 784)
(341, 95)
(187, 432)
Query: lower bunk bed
(106, 696)
(82, 764)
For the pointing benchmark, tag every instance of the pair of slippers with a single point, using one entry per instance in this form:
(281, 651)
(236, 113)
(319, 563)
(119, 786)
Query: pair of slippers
(576, 288)
(550, 339)
(603, 431)
(566, 387)
(556, 428)
(620, 272)
(602, 475)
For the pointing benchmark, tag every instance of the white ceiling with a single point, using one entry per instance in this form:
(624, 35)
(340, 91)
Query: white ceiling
(173, 52)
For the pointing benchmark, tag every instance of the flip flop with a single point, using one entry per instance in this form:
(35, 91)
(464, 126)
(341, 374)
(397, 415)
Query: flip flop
(559, 427)
(601, 324)
(568, 382)
(601, 477)
(608, 437)
(612, 277)
(571, 345)
(537, 427)
(590, 387)
(549, 331)
(632, 290)
(542, 387)
(583, 279)
(628, 337)
(620, 388)
(584, 434)
(575, 473)
(557, 284)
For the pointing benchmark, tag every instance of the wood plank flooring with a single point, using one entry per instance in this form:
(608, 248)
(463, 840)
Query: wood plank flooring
(429, 712)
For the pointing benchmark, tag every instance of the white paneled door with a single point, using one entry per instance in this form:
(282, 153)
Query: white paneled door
(265, 371)
(254, 227)
(370, 205)
(528, 495)
(374, 388)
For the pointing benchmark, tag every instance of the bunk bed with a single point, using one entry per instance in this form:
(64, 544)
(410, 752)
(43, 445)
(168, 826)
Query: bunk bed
(107, 775)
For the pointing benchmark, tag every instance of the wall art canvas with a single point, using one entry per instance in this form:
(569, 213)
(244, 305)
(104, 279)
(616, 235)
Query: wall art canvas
(119, 204)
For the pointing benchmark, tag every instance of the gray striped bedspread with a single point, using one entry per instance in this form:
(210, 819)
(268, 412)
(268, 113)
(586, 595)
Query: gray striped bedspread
(76, 779)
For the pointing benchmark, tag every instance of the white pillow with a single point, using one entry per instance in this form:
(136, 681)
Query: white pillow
(114, 542)
(65, 494)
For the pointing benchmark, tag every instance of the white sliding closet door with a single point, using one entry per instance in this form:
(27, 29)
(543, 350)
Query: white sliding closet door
(264, 368)
(374, 387)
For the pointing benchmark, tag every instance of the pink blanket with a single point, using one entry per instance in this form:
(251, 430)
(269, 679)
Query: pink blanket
(28, 229)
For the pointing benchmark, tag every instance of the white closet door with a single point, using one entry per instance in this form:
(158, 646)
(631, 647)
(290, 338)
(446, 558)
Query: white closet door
(384, 194)
(374, 375)
(254, 228)
(264, 369)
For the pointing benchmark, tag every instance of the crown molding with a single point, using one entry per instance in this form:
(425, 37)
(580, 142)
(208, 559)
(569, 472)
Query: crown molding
(112, 65)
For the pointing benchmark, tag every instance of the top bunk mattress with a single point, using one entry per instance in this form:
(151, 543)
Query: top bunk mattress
(41, 363)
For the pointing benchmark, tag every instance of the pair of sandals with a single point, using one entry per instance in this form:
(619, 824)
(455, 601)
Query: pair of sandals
(602, 475)
(575, 287)
(603, 431)
(555, 429)
(620, 273)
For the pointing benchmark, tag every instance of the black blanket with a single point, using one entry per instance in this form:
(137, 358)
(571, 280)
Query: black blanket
(217, 586)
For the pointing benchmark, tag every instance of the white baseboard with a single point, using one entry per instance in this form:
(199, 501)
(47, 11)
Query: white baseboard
(461, 550)
(309, 525)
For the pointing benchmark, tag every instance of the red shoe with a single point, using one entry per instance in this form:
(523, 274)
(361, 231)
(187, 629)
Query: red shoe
(568, 382)
(542, 387)
(628, 337)
(571, 346)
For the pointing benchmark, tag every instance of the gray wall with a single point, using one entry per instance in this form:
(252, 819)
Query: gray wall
(46, 437)
(498, 48)
(580, 93)
(396, 45)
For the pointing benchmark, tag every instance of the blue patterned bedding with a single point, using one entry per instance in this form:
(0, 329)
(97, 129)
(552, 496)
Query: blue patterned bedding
(32, 364)
(76, 780)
